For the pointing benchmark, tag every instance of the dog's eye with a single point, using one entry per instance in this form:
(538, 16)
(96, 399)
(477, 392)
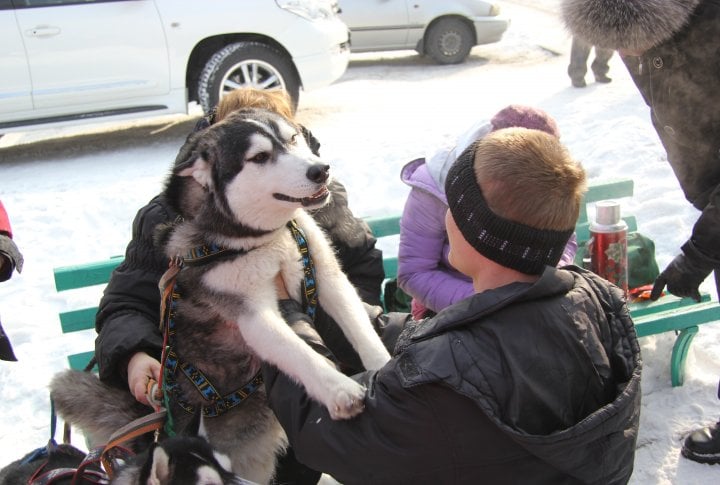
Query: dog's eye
(294, 139)
(261, 157)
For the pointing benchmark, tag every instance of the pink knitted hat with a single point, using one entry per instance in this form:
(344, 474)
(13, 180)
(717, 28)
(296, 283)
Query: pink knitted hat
(517, 115)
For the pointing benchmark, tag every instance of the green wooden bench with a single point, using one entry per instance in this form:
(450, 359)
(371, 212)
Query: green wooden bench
(669, 313)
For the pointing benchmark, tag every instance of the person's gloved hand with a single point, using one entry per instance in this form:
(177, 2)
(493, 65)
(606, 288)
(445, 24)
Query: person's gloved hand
(685, 273)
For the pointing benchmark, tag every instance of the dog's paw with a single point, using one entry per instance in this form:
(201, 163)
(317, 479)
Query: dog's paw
(347, 401)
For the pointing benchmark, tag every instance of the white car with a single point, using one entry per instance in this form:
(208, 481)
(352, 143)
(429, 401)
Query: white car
(445, 30)
(70, 61)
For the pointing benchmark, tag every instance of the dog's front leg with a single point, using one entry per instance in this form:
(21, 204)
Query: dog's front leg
(340, 300)
(273, 341)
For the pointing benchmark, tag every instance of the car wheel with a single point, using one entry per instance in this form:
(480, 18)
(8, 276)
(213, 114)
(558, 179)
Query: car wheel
(449, 41)
(246, 64)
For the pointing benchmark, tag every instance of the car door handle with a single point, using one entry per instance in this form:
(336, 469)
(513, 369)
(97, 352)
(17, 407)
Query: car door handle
(43, 31)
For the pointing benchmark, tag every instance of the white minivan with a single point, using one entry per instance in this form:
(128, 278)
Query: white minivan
(68, 62)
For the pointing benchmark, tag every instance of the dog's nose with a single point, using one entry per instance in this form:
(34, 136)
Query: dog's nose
(318, 172)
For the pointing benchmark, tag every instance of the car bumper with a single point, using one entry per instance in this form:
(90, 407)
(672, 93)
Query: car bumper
(490, 29)
(322, 69)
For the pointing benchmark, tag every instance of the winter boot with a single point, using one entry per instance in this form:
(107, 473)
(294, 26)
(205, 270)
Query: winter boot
(602, 78)
(703, 445)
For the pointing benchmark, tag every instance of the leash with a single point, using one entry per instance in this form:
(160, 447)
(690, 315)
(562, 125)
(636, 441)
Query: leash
(42, 477)
(110, 454)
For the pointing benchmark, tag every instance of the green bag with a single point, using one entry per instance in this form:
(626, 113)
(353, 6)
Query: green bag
(642, 267)
(395, 299)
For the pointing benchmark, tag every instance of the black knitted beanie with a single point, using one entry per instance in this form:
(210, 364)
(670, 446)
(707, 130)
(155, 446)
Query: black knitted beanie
(511, 244)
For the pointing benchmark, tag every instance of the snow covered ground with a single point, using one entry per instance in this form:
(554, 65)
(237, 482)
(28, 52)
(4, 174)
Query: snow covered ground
(72, 194)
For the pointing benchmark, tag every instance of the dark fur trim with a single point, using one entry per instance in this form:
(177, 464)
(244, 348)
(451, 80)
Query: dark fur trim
(626, 24)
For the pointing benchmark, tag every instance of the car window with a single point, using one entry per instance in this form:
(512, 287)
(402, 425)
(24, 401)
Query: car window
(6, 4)
(52, 3)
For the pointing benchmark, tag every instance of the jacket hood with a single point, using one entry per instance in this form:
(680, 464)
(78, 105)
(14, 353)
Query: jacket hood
(439, 161)
(416, 174)
(626, 24)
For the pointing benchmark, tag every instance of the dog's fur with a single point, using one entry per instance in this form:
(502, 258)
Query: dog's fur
(247, 177)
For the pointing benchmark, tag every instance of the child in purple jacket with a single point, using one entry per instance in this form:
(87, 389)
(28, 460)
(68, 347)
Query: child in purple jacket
(423, 268)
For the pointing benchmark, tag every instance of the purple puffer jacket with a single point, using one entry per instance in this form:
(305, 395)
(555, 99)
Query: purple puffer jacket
(424, 271)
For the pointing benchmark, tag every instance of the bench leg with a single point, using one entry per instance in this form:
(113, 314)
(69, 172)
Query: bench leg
(679, 354)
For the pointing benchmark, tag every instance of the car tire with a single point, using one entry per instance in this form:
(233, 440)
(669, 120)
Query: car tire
(246, 64)
(448, 41)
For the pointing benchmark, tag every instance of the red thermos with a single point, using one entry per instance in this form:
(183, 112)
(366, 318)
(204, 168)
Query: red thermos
(608, 244)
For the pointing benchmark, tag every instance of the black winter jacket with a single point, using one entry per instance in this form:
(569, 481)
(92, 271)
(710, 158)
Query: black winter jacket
(678, 80)
(129, 312)
(522, 384)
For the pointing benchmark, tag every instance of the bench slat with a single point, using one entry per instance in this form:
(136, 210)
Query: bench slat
(667, 302)
(677, 318)
(76, 320)
(81, 276)
(81, 360)
(384, 225)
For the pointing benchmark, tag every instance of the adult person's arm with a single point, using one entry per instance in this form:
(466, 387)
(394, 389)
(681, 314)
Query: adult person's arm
(700, 256)
(129, 312)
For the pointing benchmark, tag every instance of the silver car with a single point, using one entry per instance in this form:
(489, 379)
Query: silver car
(445, 30)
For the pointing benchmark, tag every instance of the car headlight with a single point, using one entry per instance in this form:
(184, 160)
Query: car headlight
(494, 10)
(310, 9)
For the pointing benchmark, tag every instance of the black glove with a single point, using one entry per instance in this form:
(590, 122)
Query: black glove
(10, 257)
(685, 273)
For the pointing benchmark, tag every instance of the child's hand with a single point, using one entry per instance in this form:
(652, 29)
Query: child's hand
(141, 369)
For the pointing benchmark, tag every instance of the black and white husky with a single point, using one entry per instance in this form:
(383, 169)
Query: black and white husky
(248, 177)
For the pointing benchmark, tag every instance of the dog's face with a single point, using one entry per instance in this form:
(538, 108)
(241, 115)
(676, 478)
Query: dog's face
(258, 168)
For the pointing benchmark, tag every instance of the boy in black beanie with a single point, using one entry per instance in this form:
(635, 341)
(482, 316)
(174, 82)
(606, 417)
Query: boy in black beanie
(534, 377)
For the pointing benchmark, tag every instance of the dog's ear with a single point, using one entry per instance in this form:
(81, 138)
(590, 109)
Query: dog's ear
(195, 426)
(200, 170)
(195, 159)
(160, 469)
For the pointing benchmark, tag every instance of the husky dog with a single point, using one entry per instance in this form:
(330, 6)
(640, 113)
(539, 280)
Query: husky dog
(184, 459)
(246, 178)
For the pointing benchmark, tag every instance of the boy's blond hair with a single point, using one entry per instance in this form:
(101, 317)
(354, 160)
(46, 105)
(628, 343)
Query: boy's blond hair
(275, 100)
(529, 177)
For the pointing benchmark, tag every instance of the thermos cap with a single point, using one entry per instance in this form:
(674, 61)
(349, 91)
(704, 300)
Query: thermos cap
(607, 212)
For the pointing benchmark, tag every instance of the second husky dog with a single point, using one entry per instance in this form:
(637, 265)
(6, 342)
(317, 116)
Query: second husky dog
(242, 195)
